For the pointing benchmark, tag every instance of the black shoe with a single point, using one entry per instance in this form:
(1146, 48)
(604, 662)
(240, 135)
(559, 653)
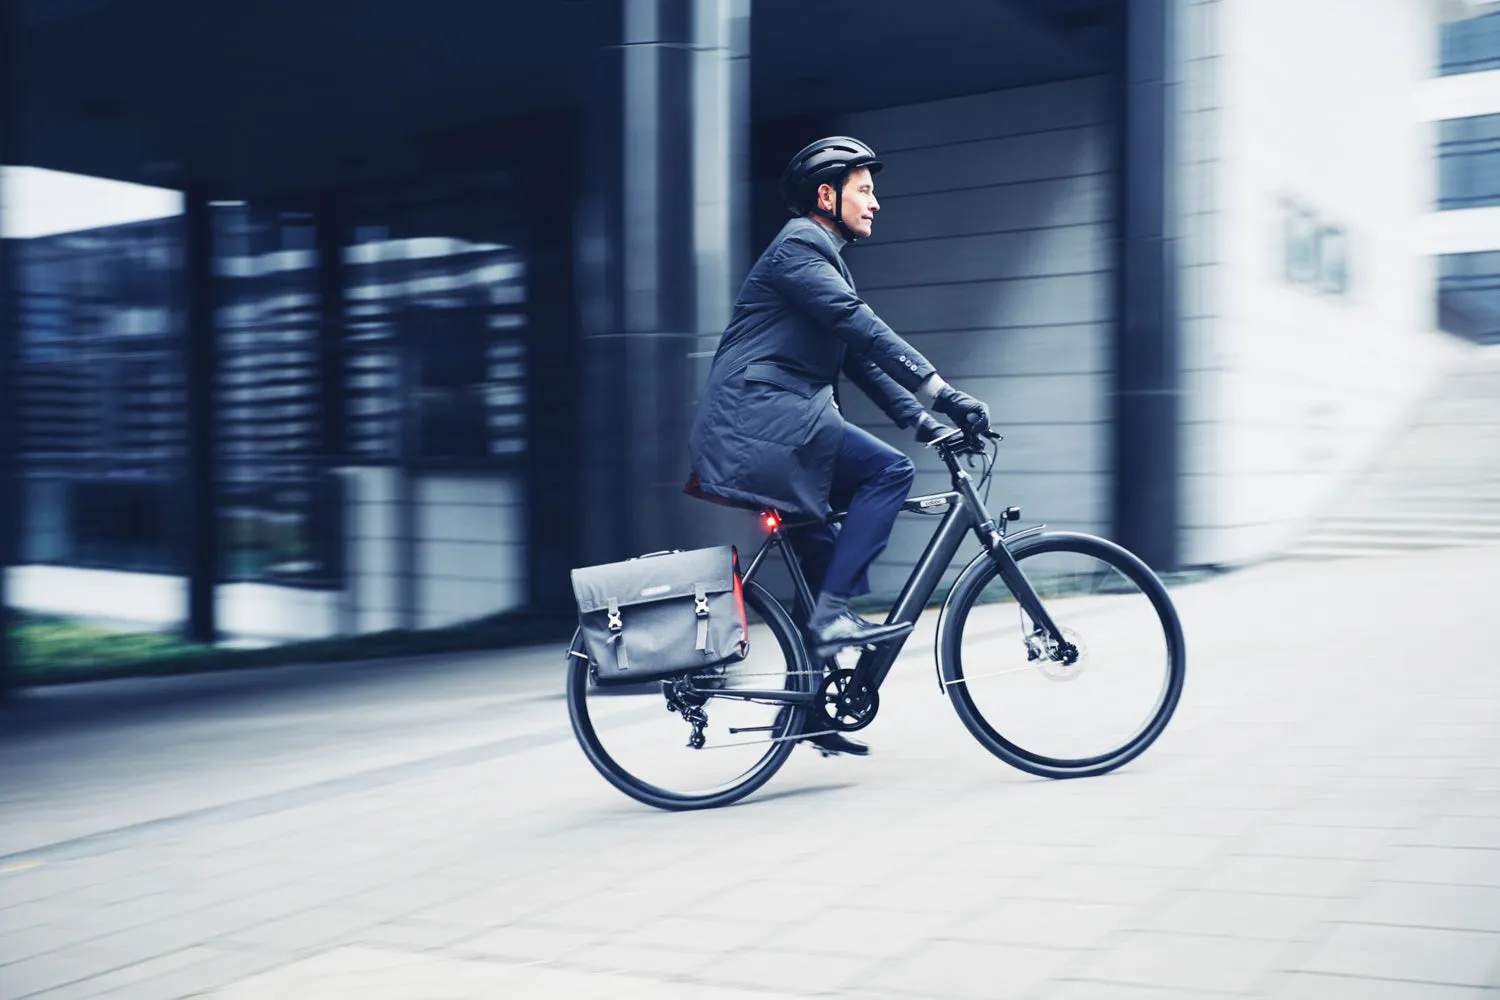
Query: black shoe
(849, 629)
(832, 743)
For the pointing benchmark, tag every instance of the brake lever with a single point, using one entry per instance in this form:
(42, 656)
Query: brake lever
(952, 433)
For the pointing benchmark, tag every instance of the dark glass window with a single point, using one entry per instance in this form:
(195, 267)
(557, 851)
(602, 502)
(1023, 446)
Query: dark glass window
(1469, 162)
(427, 335)
(101, 396)
(435, 316)
(1469, 295)
(278, 511)
(1471, 45)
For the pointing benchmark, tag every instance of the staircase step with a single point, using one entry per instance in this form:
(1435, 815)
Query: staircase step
(1413, 520)
(1372, 539)
(1436, 485)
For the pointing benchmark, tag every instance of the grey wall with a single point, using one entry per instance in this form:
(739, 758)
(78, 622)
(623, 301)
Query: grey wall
(470, 557)
(991, 255)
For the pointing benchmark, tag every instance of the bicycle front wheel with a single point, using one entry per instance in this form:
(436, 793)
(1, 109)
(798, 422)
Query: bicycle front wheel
(1036, 711)
(640, 742)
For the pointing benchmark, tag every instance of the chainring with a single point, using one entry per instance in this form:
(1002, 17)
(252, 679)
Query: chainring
(840, 708)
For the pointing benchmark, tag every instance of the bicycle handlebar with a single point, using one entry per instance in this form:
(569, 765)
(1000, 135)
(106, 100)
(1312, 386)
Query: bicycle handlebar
(969, 435)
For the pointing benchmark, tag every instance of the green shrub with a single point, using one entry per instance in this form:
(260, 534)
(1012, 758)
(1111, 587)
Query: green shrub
(53, 650)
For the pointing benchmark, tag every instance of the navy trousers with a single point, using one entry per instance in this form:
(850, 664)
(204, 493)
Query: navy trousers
(871, 480)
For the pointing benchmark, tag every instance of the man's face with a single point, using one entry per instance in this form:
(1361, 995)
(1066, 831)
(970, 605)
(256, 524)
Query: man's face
(860, 205)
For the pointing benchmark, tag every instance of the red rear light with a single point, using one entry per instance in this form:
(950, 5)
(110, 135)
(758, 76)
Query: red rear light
(772, 522)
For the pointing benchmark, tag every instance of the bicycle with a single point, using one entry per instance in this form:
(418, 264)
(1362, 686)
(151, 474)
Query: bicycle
(805, 699)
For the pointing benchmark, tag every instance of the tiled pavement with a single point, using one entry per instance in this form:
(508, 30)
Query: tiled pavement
(1322, 820)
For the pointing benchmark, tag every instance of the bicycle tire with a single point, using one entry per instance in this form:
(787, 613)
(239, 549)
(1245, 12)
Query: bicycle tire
(961, 603)
(776, 619)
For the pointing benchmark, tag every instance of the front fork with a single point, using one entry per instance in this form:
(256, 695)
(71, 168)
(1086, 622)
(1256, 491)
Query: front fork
(1026, 595)
(992, 537)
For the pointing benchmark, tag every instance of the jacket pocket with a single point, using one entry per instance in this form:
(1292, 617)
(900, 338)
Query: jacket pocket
(774, 374)
(778, 407)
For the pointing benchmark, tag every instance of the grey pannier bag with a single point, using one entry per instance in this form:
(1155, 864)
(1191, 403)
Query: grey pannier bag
(661, 614)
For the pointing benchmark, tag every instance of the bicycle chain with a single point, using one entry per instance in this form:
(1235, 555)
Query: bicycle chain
(766, 673)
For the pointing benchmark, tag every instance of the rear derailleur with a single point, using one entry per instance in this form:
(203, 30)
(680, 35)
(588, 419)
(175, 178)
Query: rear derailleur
(684, 698)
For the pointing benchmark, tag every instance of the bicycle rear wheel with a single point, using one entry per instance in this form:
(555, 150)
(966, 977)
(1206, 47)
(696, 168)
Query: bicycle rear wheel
(1046, 716)
(640, 744)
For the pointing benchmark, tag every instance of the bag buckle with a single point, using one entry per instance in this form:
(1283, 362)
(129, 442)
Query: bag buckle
(700, 601)
(614, 621)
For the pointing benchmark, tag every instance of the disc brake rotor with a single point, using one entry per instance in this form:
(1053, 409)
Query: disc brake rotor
(1061, 665)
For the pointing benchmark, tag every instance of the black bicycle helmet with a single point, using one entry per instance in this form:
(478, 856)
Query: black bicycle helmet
(827, 161)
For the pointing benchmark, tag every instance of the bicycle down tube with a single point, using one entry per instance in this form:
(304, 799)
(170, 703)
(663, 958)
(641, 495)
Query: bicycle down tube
(966, 513)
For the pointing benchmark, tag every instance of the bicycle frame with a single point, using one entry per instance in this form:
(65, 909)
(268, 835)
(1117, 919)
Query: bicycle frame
(966, 512)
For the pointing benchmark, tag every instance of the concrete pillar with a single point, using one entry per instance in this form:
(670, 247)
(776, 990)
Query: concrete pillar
(659, 247)
(1146, 370)
(200, 369)
(9, 345)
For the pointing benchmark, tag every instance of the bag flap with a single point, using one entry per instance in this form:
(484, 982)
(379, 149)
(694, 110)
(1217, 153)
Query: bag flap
(654, 578)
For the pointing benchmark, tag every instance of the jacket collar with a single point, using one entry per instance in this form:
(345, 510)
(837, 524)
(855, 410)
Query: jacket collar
(837, 240)
(834, 241)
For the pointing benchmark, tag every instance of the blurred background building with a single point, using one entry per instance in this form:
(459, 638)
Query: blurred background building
(1463, 101)
(324, 318)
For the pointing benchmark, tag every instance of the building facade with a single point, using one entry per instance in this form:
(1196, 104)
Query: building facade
(1462, 103)
(425, 325)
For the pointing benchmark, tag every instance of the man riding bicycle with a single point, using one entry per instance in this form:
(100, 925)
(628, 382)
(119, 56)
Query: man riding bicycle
(769, 431)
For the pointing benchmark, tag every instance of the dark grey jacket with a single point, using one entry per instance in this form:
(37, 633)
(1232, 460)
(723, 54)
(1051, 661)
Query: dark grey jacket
(768, 426)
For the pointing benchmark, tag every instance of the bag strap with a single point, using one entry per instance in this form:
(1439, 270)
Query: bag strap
(617, 634)
(700, 608)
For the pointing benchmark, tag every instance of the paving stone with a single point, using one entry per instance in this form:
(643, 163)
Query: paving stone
(1419, 954)
(1313, 986)
(1045, 922)
(1288, 876)
(966, 969)
(1079, 989)
(1450, 865)
(1185, 962)
(1249, 915)
(1295, 840)
(529, 943)
(859, 931)
(1421, 904)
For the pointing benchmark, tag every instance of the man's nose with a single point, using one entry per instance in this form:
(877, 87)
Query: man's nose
(874, 206)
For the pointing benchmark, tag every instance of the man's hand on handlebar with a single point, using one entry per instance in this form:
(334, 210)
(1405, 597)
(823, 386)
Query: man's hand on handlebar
(966, 411)
(930, 428)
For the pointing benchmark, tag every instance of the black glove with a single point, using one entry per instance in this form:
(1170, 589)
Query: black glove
(966, 411)
(930, 427)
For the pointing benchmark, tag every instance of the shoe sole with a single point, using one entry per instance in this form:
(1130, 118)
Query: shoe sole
(824, 651)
